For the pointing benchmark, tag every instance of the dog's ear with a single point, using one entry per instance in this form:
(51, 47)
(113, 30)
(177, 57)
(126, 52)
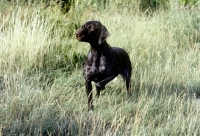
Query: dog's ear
(103, 34)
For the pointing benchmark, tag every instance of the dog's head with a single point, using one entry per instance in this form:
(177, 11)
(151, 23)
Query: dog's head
(92, 32)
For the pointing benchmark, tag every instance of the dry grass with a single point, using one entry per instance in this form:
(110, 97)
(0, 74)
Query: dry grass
(41, 95)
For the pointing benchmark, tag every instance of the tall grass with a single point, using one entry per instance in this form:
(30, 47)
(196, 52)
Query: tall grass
(41, 83)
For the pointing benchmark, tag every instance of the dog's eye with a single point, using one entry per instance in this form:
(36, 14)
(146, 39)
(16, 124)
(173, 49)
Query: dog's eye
(91, 28)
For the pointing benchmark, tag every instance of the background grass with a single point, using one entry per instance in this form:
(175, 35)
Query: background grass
(41, 83)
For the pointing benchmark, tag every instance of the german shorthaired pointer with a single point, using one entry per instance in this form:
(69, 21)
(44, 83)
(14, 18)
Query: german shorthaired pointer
(103, 62)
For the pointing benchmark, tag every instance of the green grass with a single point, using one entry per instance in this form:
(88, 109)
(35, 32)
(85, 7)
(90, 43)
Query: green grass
(42, 88)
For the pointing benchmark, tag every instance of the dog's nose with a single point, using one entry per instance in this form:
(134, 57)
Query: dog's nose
(77, 33)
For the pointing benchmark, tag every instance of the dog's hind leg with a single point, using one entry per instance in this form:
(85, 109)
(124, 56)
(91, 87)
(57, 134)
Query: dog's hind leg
(128, 85)
(126, 75)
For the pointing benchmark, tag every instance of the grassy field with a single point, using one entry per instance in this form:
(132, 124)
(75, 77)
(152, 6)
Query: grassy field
(42, 88)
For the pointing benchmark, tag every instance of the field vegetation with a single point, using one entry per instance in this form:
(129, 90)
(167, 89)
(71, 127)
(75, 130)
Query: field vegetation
(41, 84)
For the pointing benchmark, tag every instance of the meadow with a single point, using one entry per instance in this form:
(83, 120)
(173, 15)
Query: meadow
(41, 84)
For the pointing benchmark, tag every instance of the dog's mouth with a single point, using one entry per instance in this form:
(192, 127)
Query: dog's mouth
(79, 37)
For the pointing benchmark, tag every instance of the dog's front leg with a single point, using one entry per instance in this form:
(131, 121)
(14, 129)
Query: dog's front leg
(88, 87)
(101, 85)
(99, 88)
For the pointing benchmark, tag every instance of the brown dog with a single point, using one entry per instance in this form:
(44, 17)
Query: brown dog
(103, 62)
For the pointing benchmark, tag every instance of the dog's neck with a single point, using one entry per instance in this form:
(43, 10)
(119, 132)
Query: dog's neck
(101, 47)
(97, 51)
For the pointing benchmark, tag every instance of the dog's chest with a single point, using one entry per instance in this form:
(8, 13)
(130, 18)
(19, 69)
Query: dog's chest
(98, 67)
(102, 64)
